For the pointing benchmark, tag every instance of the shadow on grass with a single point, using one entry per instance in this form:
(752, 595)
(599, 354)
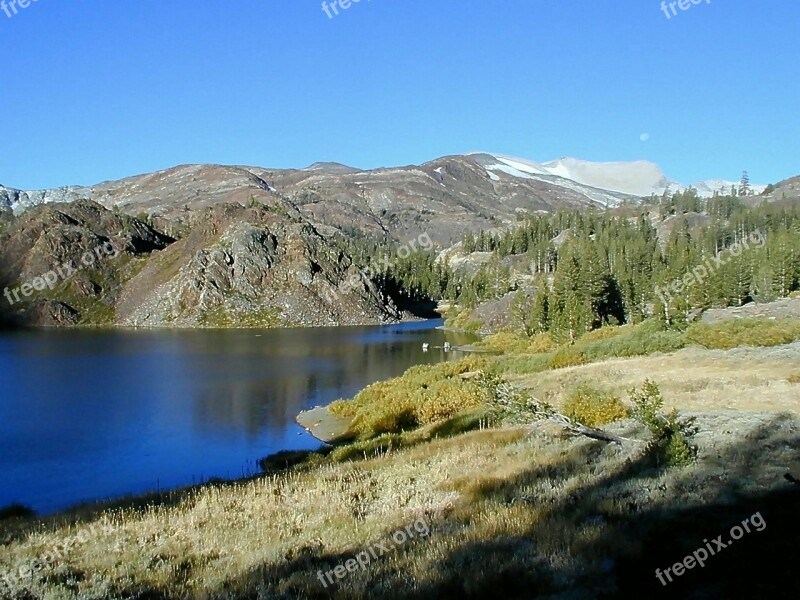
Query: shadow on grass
(372, 447)
(620, 562)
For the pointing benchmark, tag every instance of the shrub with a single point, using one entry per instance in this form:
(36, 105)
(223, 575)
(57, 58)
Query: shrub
(593, 407)
(542, 343)
(603, 333)
(568, 356)
(461, 320)
(422, 395)
(794, 377)
(505, 341)
(668, 446)
(744, 332)
(636, 341)
(522, 364)
(516, 343)
(16, 511)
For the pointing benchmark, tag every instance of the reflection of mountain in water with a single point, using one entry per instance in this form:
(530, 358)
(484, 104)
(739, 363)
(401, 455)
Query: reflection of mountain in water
(105, 413)
(282, 373)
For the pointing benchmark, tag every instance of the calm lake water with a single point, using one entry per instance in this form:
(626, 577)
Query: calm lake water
(88, 415)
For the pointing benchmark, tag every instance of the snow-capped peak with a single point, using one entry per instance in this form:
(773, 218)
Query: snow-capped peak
(636, 178)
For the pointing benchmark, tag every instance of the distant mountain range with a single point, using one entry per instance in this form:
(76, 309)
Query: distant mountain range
(606, 183)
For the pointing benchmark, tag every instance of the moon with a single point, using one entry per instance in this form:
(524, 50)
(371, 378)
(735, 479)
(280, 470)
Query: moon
(644, 137)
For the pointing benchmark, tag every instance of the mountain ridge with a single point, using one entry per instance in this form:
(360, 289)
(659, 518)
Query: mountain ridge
(603, 183)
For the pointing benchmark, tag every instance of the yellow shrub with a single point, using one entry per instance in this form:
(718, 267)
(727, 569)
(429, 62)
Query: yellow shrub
(424, 394)
(542, 343)
(794, 377)
(568, 356)
(594, 407)
(506, 341)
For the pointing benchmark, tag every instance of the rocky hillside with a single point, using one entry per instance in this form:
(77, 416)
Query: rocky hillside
(787, 190)
(62, 264)
(80, 263)
(251, 267)
(443, 198)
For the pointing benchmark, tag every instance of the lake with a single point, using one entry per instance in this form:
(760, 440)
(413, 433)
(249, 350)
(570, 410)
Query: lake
(95, 414)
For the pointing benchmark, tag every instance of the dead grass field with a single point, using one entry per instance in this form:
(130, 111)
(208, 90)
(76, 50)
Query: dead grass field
(693, 379)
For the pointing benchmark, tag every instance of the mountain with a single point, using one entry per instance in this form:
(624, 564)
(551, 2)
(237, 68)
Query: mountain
(331, 167)
(80, 263)
(637, 178)
(447, 195)
(787, 190)
(215, 245)
(443, 198)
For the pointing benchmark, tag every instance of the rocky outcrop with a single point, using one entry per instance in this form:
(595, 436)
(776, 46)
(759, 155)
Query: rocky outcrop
(62, 264)
(262, 266)
(251, 267)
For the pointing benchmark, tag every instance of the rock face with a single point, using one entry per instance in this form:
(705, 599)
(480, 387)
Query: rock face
(251, 267)
(79, 263)
(61, 264)
(17, 199)
(443, 198)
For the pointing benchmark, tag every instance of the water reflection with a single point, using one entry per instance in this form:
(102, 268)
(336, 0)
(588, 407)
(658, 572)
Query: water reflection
(92, 414)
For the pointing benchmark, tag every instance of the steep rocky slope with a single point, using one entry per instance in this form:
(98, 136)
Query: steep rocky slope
(79, 263)
(257, 266)
(61, 264)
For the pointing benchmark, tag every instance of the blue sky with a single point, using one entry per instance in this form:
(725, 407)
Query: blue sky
(96, 90)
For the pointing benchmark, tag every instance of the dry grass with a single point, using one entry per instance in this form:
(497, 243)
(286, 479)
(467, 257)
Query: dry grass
(508, 508)
(693, 379)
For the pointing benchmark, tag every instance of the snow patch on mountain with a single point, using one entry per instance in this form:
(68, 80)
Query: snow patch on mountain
(636, 178)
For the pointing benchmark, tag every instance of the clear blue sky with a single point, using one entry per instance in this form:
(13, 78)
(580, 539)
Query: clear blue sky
(99, 89)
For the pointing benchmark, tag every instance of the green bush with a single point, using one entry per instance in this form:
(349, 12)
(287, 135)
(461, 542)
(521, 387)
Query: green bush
(603, 333)
(668, 446)
(522, 364)
(637, 341)
(593, 407)
(744, 332)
